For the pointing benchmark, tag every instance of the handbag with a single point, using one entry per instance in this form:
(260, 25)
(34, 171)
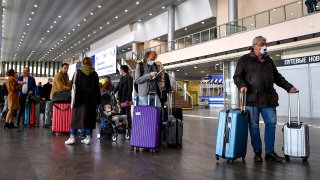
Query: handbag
(34, 98)
(73, 91)
(125, 104)
(62, 97)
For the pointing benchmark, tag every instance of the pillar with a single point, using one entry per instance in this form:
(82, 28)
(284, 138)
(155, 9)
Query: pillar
(233, 15)
(171, 27)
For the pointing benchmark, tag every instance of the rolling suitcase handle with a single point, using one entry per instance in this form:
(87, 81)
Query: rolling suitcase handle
(155, 99)
(298, 108)
(243, 102)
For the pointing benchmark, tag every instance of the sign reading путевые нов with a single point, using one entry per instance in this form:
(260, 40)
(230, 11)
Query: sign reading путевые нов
(298, 60)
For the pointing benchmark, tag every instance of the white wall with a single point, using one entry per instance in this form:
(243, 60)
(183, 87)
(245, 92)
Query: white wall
(293, 28)
(187, 13)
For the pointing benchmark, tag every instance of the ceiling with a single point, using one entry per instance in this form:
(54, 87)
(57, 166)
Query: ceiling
(56, 30)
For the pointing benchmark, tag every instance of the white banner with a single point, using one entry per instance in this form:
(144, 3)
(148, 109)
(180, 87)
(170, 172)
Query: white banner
(106, 62)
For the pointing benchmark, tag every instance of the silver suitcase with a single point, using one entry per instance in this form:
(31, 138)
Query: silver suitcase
(296, 137)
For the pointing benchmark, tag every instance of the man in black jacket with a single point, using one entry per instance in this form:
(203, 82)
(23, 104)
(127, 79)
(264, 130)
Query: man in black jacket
(124, 89)
(47, 89)
(255, 75)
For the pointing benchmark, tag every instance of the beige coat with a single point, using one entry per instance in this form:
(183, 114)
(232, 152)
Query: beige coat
(60, 83)
(13, 93)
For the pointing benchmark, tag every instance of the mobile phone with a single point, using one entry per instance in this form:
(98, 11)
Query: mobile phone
(157, 74)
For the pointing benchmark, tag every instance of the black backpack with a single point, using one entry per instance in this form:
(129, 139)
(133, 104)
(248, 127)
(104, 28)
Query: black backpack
(141, 73)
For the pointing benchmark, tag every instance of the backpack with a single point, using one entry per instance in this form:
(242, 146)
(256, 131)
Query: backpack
(141, 73)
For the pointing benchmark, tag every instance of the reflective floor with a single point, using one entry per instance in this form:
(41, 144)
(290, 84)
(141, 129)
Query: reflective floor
(34, 153)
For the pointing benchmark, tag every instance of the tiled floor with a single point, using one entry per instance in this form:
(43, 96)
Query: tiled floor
(34, 153)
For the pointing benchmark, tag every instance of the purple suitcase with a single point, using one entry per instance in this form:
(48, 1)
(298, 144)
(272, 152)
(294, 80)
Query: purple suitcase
(145, 128)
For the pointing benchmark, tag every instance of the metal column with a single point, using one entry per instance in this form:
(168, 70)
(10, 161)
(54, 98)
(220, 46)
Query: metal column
(171, 27)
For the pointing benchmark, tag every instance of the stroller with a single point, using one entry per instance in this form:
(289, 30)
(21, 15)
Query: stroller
(111, 123)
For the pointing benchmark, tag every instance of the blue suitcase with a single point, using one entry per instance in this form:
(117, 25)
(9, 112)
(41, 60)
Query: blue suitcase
(27, 114)
(232, 135)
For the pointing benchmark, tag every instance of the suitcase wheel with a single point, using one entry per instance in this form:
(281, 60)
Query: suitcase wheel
(287, 157)
(217, 157)
(127, 136)
(114, 137)
(305, 159)
(131, 148)
(137, 149)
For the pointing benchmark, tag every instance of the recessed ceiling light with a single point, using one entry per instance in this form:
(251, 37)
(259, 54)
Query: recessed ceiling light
(99, 6)
(84, 19)
(48, 31)
(195, 67)
(91, 13)
(108, 22)
(35, 5)
(64, 37)
(202, 71)
(73, 29)
(163, 7)
(94, 32)
(68, 33)
(137, 3)
(126, 10)
(42, 38)
(185, 28)
(28, 24)
(178, 70)
(58, 43)
(79, 25)
(88, 35)
(116, 17)
(55, 22)
(150, 14)
(32, 12)
(59, 16)
(61, 40)
(3, 1)
(139, 20)
(202, 22)
(51, 27)
(30, 19)
(100, 27)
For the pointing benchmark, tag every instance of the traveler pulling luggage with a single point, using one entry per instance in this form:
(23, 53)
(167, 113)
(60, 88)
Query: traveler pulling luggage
(174, 128)
(145, 132)
(296, 136)
(232, 133)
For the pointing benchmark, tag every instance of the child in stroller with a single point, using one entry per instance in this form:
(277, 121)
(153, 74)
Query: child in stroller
(110, 121)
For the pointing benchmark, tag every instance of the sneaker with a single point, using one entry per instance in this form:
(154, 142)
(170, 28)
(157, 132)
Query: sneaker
(86, 140)
(274, 157)
(70, 141)
(257, 157)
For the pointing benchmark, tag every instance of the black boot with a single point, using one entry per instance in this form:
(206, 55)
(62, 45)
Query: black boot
(274, 157)
(6, 125)
(12, 125)
(257, 157)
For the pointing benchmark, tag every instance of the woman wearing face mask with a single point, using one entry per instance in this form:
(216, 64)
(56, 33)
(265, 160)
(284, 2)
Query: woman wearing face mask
(145, 77)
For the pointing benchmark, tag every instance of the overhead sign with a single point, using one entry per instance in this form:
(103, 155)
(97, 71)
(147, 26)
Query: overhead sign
(298, 60)
(106, 62)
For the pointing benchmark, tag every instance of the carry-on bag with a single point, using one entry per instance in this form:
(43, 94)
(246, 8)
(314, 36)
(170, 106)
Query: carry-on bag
(48, 114)
(174, 127)
(26, 121)
(145, 132)
(232, 133)
(295, 136)
(61, 117)
(32, 114)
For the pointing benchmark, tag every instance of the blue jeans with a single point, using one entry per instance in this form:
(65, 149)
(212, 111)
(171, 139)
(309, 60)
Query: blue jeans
(154, 101)
(269, 116)
(73, 132)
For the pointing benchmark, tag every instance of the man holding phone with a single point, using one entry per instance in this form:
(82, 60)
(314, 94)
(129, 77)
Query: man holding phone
(147, 80)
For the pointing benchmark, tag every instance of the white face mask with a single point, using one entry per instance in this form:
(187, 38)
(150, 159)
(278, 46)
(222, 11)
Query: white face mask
(108, 109)
(263, 49)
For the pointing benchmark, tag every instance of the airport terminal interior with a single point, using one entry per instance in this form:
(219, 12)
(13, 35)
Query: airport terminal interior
(199, 43)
